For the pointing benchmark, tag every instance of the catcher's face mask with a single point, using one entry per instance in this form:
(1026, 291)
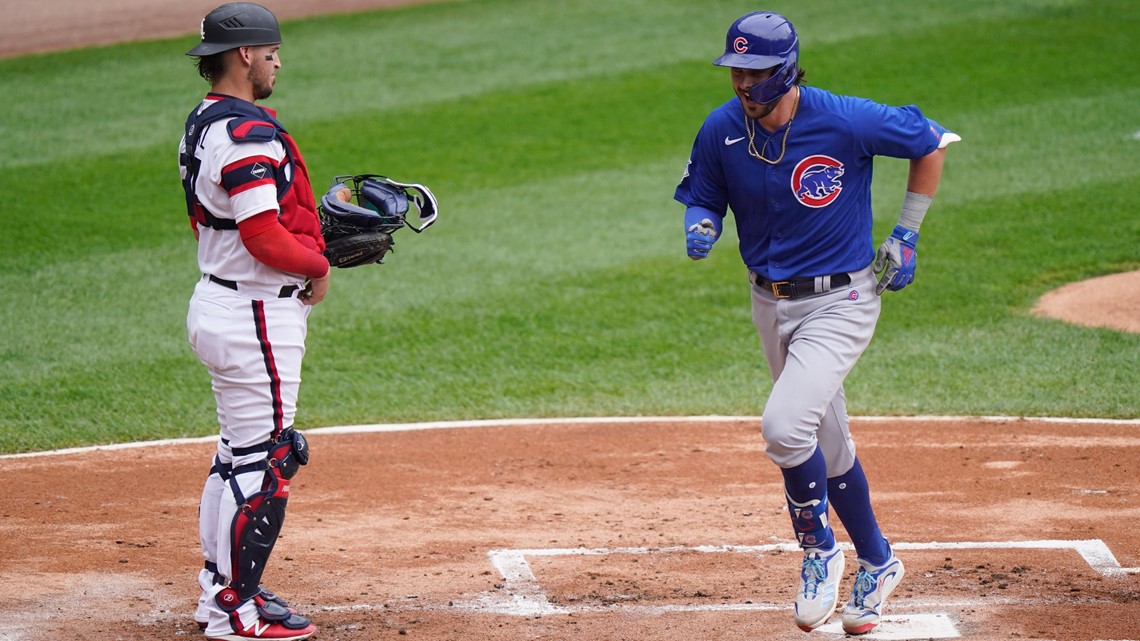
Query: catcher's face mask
(381, 203)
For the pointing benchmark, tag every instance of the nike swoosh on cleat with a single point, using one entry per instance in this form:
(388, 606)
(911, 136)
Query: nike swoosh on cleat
(732, 141)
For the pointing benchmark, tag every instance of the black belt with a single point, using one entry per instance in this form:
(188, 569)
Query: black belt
(287, 291)
(799, 287)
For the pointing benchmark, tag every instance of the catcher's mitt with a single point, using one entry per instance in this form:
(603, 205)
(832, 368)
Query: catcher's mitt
(357, 222)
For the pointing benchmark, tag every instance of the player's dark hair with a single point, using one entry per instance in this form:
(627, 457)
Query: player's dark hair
(211, 67)
(800, 73)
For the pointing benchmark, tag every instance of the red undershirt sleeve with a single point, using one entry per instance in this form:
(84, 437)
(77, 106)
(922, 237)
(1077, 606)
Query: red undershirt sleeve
(272, 244)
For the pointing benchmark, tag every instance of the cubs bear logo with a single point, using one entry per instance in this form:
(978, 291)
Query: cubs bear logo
(815, 180)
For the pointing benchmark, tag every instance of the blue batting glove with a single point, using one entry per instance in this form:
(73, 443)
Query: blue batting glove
(897, 259)
(702, 229)
(700, 239)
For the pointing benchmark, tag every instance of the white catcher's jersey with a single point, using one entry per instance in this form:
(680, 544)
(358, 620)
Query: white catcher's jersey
(221, 252)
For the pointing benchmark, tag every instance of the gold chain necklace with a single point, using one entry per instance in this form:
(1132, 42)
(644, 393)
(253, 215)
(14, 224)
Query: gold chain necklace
(750, 127)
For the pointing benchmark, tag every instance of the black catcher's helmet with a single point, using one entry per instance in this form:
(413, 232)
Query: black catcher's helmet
(238, 24)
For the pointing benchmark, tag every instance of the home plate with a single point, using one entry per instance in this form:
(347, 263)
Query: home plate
(903, 627)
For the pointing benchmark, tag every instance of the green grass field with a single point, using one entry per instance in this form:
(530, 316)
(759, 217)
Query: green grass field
(556, 282)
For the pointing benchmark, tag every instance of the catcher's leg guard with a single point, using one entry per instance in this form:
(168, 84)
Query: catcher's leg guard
(260, 516)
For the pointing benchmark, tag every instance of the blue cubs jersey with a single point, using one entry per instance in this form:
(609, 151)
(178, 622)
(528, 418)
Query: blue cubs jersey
(809, 214)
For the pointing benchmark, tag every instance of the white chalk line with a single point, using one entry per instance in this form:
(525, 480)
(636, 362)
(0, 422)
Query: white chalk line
(590, 420)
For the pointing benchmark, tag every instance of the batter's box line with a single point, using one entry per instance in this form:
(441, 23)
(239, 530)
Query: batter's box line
(521, 593)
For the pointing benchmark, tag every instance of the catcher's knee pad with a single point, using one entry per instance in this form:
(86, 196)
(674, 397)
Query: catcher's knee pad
(260, 516)
(289, 452)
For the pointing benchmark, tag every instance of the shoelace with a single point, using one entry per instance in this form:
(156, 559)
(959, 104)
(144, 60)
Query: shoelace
(814, 573)
(864, 585)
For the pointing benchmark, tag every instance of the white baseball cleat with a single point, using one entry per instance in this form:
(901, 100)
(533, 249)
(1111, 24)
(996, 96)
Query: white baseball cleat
(819, 583)
(873, 584)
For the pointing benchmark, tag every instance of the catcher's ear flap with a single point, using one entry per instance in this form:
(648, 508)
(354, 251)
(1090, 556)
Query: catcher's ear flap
(386, 200)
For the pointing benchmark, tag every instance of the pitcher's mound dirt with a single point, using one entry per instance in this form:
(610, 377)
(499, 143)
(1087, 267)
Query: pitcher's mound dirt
(1112, 302)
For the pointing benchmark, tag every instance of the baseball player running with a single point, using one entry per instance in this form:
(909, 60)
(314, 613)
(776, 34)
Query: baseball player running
(794, 165)
(260, 249)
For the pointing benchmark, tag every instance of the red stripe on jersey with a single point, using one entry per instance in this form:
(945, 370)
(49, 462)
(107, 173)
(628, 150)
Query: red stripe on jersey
(249, 160)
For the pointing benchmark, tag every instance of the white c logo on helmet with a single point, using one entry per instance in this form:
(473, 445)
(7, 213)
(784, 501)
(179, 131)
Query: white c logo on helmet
(740, 45)
(202, 29)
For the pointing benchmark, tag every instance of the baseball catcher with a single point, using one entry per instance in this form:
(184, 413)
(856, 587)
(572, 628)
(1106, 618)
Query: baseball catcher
(357, 222)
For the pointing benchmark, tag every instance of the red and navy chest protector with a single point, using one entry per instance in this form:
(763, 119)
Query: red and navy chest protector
(250, 123)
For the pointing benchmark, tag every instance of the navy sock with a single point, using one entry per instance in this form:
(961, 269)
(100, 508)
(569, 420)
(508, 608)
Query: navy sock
(805, 488)
(852, 501)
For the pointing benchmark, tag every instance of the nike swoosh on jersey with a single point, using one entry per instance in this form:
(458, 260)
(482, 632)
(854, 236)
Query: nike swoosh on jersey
(732, 141)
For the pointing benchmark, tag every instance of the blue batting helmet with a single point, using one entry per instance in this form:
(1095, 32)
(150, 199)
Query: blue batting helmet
(763, 40)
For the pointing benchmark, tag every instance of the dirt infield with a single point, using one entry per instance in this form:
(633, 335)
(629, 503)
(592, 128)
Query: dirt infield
(635, 530)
